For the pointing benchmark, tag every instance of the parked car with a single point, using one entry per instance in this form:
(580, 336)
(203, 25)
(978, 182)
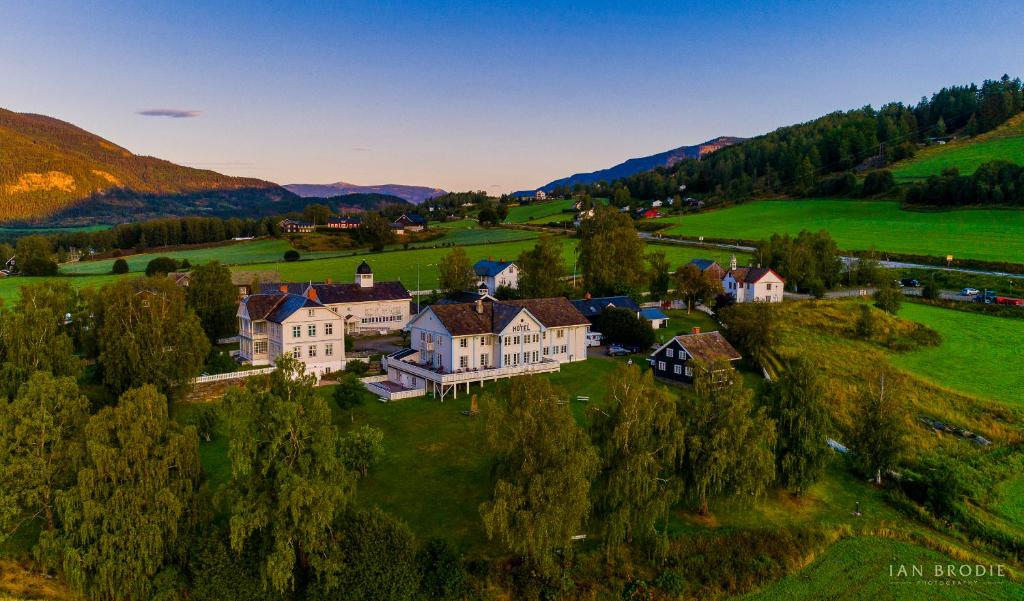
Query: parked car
(594, 338)
(617, 350)
(911, 282)
(1006, 300)
(986, 296)
(970, 292)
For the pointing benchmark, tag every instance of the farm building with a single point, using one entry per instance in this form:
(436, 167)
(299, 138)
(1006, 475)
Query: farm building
(496, 274)
(655, 316)
(753, 285)
(294, 226)
(675, 359)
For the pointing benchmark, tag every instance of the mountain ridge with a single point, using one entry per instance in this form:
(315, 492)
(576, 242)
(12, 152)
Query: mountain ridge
(639, 164)
(413, 194)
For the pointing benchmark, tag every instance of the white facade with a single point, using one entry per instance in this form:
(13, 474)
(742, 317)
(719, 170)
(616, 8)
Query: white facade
(366, 306)
(495, 274)
(304, 329)
(749, 285)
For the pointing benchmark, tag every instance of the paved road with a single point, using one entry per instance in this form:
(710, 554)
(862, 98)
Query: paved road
(953, 295)
(846, 259)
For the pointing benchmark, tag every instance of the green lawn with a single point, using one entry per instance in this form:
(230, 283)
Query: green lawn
(9, 286)
(859, 568)
(1005, 144)
(237, 253)
(979, 354)
(1010, 500)
(538, 210)
(988, 234)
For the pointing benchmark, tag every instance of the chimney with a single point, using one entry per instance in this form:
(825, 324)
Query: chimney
(311, 294)
(695, 330)
(480, 306)
(283, 288)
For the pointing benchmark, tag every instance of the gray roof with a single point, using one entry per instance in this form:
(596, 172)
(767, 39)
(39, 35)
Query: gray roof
(590, 307)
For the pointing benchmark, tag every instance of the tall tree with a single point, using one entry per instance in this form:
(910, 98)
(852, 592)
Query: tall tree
(34, 336)
(888, 297)
(879, 435)
(214, 298)
(640, 441)
(796, 402)
(40, 448)
(124, 524)
(658, 276)
(34, 256)
(544, 466)
(611, 254)
(693, 286)
(146, 335)
(316, 213)
(753, 328)
(289, 482)
(375, 231)
(729, 444)
(541, 269)
(455, 272)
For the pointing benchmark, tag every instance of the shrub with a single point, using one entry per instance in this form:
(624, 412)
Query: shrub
(206, 420)
(291, 255)
(443, 574)
(878, 182)
(120, 266)
(888, 297)
(161, 266)
(357, 368)
(349, 392)
(362, 448)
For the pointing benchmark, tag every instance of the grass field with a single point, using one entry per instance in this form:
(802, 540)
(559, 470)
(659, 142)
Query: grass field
(988, 234)
(979, 354)
(1005, 143)
(859, 568)
(538, 210)
(1010, 500)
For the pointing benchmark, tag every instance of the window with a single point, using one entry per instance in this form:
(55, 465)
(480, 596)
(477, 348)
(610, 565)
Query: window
(296, 331)
(560, 334)
(661, 366)
(670, 353)
(678, 369)
(328, 329)
(463, 342)
(536, 357)
(463, 361)
(260, 347)
(565, 349)
(547, 351)
(311, 312)
(483, 341)
(768, 286)
(312, 350)
(515, 340)
(297, 352)
(311, 330)
(484, 359)
(423, 336)
(328, 350)
(689, 371)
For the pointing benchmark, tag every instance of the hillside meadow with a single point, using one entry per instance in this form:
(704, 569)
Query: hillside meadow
(1005, 143)
(985, 234)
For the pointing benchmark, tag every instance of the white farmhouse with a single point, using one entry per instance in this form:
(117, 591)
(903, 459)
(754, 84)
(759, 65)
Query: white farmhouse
(495, 274)
(460, 344)
(270, 325)
(753, 285)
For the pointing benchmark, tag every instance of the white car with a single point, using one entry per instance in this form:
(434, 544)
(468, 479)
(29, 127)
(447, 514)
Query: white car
(594, 338)
(970, 292)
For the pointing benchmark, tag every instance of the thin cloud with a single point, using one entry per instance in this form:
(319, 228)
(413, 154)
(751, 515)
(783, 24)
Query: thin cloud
(172, 113)
(360, 149)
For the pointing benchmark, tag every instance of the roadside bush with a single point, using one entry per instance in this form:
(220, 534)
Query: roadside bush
(930, 290)
(888, 297)
(291, 255)
(120, 267)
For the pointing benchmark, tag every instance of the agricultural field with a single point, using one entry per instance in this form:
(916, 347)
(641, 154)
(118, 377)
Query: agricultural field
(9, 286)
(236, 253)
(986, 234)
(993, 345)
(1005, 143)
(538, 210)
(858, 568)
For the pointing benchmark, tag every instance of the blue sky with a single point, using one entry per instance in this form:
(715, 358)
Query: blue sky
(475, 95)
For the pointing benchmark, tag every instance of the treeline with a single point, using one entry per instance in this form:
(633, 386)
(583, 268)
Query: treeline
(995, 182)
(794, 159)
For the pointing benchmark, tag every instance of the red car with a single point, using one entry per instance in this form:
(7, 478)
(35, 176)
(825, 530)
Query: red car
(1006, 300)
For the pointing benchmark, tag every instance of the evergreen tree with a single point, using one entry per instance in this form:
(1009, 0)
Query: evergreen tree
(544, 466)
(289, 483)
(796, 401)
(124, 524)
(640, 441)
(41, 448)
(541, 269)
(729, 444)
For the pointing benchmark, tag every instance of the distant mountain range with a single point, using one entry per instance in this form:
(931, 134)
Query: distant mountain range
(414, 194)
(640, 164)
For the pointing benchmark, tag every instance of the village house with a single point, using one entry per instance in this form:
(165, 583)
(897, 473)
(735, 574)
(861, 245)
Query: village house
(344, 223)
(495, 274)
(409, 223)
(270, 325)
(753, 285)
(708, 268)
(675, 359)
(294, 226)
(365, 305)
(459, 344)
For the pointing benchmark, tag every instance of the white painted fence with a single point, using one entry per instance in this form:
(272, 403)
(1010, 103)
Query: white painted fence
(233, 375)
